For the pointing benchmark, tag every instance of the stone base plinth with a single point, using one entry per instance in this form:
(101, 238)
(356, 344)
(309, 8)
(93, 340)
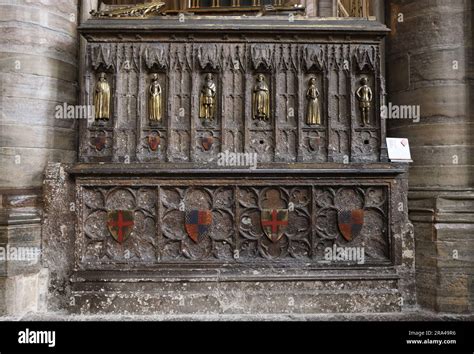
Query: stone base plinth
(202, 292)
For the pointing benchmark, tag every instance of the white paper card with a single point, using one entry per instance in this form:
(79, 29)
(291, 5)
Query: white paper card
(398, 149)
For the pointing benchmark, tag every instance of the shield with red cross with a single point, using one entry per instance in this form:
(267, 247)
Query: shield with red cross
(350, 223)
(198, 224)
(120, 224)
(274, 223)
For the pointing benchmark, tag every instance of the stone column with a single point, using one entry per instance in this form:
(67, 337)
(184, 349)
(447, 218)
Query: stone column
(429, 65)
(38, 73)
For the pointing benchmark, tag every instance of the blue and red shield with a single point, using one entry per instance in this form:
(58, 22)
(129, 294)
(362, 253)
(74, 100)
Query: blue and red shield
(120, 224)
(198, 224)
(274, 223)
(350, 223)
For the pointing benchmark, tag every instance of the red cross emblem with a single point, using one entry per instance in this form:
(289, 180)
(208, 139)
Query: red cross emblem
(274, 223)
(120, 224)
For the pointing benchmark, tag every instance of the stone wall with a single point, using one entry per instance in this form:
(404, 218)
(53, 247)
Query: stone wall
(38, 71)
(430, 63)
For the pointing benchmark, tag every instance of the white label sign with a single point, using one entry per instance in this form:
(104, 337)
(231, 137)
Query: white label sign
(398, 149)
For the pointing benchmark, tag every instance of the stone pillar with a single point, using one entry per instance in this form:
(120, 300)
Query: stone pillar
(38, 72)
(429, 64)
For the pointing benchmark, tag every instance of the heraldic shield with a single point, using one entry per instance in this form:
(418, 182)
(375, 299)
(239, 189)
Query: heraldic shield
(198, 224)
(207, 143)
(100, 142)
(153, 142)
(274, 223)
(120, 224)
(350, 223)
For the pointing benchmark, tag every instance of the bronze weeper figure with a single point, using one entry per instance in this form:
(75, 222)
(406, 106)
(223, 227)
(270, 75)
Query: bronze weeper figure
(155, 102)
(365, 96)
(207, 106)
(102, 99)
(261, 99)
(313, 114)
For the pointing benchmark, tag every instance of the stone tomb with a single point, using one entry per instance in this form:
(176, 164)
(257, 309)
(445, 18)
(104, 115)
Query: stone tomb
(164, 224)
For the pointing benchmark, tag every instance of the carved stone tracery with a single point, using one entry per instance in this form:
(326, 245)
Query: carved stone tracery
(236, 234)
(287, 68)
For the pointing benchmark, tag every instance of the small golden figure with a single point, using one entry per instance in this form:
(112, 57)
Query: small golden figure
(102, 98)
(155, 102)
(313, 115)
(261, 99)
(365, 96)
(207, 107)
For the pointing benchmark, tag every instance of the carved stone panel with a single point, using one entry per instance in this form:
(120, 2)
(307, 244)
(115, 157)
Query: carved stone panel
(176, 243)
(339, 103)
(231, 223)
(285, 135)
(97, 245)
(295, 242)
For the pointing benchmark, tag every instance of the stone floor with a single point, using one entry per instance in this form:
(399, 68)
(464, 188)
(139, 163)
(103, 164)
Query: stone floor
(416, 315)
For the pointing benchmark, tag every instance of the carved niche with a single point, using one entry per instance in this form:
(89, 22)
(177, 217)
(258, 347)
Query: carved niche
(368, 139)
(286, 136)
